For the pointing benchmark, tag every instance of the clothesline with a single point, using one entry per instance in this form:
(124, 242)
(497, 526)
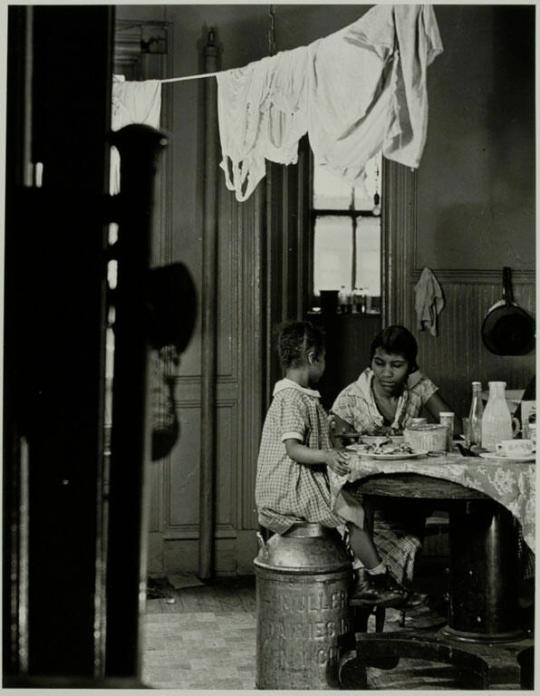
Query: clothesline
(379, 102)
(194, 77)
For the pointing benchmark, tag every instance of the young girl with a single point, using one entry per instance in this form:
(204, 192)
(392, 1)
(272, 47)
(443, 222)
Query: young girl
(295, 457)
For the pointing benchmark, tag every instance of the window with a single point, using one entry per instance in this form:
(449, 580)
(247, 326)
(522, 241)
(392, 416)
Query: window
(346, 224)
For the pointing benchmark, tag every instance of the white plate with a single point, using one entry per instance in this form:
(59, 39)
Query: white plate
(399, 455)
(504, 458)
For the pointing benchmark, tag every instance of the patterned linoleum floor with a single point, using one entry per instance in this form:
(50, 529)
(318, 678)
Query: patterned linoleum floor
(204, 638)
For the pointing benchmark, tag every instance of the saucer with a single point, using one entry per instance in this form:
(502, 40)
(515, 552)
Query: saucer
(514, 458)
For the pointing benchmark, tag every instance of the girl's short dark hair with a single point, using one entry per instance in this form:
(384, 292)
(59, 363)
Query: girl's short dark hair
(296, 339)
(398, 340)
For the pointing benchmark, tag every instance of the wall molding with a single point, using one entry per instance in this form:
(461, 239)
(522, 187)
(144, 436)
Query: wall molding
(196, 379)
(191, 532)
(251, 215)
(475, 276)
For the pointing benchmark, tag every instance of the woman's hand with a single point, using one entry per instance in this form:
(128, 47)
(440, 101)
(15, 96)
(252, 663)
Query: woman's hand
(337, 462)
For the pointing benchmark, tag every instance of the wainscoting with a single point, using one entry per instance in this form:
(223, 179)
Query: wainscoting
(456, 356)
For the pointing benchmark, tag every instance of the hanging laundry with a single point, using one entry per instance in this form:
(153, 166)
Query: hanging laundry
(429, 301)
(132, 102)
(355, 92)
(262, 115)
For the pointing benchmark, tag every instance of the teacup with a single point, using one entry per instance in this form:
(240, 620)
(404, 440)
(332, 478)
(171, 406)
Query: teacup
(513, 448)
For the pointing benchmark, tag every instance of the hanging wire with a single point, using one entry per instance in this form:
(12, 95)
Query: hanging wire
(271, 31)
(377, 196)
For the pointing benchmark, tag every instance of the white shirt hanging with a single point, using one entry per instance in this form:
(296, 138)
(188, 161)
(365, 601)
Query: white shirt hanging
(355, 92)
(132, 102)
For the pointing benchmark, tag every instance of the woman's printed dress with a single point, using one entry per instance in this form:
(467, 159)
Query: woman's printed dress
(396, 527)
(356, 403)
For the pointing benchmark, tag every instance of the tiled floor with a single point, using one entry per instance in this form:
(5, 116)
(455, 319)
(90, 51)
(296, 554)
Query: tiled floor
(204, 638)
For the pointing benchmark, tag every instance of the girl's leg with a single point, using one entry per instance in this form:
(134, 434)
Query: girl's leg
(363, 547)
(377, 584)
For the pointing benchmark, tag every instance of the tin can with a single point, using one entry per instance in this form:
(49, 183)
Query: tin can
(418, 421)
(303, 580)
(446, 418)
(532, 433)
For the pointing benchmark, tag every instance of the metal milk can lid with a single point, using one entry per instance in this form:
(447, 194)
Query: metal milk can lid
(305, 548)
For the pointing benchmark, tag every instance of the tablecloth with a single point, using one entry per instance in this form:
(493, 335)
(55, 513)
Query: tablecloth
(512, 484)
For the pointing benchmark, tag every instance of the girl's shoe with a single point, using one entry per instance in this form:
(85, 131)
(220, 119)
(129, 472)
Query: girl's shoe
(378, 588)
(416, 599)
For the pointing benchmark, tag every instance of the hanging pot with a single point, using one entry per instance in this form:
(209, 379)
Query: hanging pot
(508, 329)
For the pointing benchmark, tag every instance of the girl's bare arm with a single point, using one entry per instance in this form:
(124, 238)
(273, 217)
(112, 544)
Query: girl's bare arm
(337, 461)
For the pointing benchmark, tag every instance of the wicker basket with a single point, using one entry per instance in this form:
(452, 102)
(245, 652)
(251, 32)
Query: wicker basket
(428, 437)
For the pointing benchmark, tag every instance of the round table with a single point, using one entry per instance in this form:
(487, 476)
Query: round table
(483, 621)
(483, 553)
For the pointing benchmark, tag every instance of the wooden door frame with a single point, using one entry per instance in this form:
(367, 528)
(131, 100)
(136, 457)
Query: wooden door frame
(398, 228)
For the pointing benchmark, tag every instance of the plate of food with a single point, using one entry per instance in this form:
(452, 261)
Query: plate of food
(396, 455)
(386, 450)
(357, 447)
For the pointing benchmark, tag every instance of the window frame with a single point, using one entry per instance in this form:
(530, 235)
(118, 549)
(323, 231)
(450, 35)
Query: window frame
(353, 215)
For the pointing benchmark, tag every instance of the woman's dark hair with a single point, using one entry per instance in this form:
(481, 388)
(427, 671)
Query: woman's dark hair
(398, 340)
(296, 339)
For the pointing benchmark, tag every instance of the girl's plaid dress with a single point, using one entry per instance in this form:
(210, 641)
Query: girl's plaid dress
(287, 492)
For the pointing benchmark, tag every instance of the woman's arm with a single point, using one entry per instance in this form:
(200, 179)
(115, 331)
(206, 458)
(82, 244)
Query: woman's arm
(435, 405)
(338, 427)
(337, 461)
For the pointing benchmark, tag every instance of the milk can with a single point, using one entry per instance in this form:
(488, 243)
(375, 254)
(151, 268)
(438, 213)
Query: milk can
(303, 581)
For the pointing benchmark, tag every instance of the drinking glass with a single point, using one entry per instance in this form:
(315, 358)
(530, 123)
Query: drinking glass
(467, 431)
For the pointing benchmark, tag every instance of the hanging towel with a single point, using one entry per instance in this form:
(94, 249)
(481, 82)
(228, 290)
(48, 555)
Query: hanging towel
(355, 92)
(132, 102)
(429, 301)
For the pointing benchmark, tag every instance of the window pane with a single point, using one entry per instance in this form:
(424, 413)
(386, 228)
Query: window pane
(332, 253)
(331, 192)
(368, 255)
(364, 192)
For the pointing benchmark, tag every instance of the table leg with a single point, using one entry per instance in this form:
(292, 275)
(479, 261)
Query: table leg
(483, 573)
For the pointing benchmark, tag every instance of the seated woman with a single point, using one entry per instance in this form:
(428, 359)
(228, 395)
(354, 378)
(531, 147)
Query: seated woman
(385, 398)
(392, 391)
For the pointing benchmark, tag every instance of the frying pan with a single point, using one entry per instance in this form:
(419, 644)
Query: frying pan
(508, 329)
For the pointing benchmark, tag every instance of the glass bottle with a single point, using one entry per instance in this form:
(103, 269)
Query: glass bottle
(356, 300)
(342, 300)
(496, 421)
(362, 300)
(475, 414)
